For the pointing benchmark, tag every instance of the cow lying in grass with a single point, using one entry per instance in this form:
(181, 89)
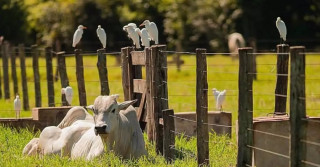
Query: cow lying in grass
(81, 135)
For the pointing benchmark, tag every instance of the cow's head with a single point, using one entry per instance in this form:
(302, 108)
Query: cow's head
(106, 113)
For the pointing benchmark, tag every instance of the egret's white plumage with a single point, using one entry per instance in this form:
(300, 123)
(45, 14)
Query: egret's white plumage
(281, 26)
(78, 35)
(133, 34)
(68, 93)
(17, 106)
(102, 36)
(130, 24)
(219, 97)
(145, 39)
(152, 30)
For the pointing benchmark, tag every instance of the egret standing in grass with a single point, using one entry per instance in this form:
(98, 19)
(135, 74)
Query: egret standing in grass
(219, 97)
(145, 39)
(152, 30)
(68, 93)
(17, 106)
(102, 36)
(281, 26)
(78, 35)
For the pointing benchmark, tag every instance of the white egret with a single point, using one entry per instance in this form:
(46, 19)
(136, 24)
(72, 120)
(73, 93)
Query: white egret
(78, 35)
(145, 39)
(102, 36)
(133, 34)
(68, 93)
(17, 106)
(219, 97)
(152, 30)
(281, 26)
(130, 24)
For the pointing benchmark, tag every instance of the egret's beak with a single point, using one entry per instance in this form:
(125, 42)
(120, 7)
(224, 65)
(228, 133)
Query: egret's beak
(141, 25)
(84, 27)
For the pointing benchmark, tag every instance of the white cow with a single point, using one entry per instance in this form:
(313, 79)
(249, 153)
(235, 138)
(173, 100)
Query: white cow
(235, 41)
(79, 137)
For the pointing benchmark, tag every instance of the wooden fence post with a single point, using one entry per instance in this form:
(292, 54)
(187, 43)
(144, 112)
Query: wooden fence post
(50, 82)
(282, 80)
(80, 78)
(168, 135)
(103, 72)
(36, 74)
(159, 92)
(149, 96)
(63, 75)
(125, 52)
(245, 102)
(297, 106)
(6, 70)
(14, 70)
(202, 108)
(25, 98)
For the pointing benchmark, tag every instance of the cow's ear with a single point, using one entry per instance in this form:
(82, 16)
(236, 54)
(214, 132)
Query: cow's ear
(90, 107)
(124, 105)
(115, 96)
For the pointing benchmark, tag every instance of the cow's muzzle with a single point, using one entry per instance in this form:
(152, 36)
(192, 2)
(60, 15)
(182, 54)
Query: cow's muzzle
(100, 129)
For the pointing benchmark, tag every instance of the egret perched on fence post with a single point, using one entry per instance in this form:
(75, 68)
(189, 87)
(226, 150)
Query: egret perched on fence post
(68, 93)
(152, 30)
(281, 26)
(145, 39)
(17, 106)
(133, 34)
(219, 97)
(78, 35)
(102, 36)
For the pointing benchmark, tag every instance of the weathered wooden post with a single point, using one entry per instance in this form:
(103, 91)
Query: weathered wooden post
(36, 74)
(297, 106)
(63, 75)
(168, 135)
(25, 98)
(282, 79)
(5, 67)
(159, 91)
(14, 70)
(149, 96)
(80, 78)
(50, 81)
(245, 102)
(103, 72)
(202, 108)
(125, 52)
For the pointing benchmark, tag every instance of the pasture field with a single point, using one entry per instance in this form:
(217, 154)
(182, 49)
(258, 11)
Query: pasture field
(222, 74)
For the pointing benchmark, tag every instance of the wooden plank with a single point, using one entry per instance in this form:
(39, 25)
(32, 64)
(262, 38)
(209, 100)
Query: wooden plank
(168, 135)
(14, 70)
(138, 58)
(50, 82)
(126, 73)
(80, 78)
(36, 74)
(5, 67)
(202, 108)
(282, 81)
(25, 99)
(62, 70)
(141, 109)
(149, 96)
(139, 85)
(297, 106)
(245, 107)
(103, 72)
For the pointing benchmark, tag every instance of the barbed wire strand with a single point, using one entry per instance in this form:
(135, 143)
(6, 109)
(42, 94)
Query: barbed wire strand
(268, 151)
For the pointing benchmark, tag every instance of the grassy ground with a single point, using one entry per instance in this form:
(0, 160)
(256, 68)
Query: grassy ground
(222, 74)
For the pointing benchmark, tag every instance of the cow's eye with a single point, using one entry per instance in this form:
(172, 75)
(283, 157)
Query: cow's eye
(113, 110)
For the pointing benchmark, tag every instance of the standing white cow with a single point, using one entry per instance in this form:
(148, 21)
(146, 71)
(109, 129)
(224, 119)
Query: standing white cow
(79, 136)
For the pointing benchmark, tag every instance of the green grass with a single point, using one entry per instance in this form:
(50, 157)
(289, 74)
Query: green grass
(12, 142)
(222, 74)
